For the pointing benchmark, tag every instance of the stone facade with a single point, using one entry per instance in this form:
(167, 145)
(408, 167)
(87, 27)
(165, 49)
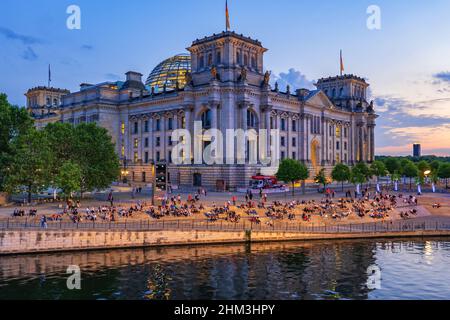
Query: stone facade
(227, 89)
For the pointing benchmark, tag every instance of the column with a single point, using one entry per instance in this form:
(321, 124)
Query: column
(189, 125)
(214, 121)
(151, 138)
(163, 137)
(372, 143)
(323, 131)
(289, 137)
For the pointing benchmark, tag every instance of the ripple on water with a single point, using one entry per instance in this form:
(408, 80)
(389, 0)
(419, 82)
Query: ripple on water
(412, 269)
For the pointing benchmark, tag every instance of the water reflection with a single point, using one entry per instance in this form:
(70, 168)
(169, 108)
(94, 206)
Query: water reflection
(314, 270)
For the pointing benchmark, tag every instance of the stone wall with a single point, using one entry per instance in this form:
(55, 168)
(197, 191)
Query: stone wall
(48, 241)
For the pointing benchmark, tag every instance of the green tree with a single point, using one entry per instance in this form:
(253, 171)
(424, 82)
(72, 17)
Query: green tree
(95, 153)
(321, 178)
(341, 173)
(434, 166)
(31, 163)
(69, 178)
(410, 171)
(444, 173)
(360, 173)
(378, 169)
(14, 122)
(61, 137)
(423, 166)
(291, 171)
(392, 165)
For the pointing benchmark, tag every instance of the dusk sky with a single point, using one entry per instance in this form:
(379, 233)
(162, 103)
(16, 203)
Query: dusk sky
(407, 62)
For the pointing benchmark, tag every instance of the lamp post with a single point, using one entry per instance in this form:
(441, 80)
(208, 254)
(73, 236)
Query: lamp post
(153, 168)
(124, 172)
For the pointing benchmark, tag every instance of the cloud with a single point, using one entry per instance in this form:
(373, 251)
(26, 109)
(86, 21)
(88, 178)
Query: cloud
(87, 47)
(295, 79)
(442, 76)
(402, 123)
(29, 54)
(26, 40)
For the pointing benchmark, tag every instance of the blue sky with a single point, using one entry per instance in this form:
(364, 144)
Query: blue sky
(406, 62)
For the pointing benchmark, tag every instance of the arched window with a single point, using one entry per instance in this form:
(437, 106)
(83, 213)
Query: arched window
(341, 92)
(206, 119)
(210, 59)
(55, 102)
(254, 62)
(252, 121)
(218, 58)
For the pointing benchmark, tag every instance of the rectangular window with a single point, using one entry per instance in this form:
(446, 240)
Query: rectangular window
(170, 123)
(123, 151)
(122, 128)
(271, 123)
(170, 140)
(158, 141)
(158, 156)
(183, 123)
(146, 157)
(136, 143)
(345, 146)
(146, 126)
(146, 143)
(144, 178)
(136, 128)
(136, 157)
(345, 132)
(294, 125)
(282, 142)
(283, 124)
(294, 142)
(337, 145)
(170, 156)
(294, 155)
(283, 156)
(158, 124)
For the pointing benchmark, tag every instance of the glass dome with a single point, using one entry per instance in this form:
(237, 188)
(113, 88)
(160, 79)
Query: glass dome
(169, 72)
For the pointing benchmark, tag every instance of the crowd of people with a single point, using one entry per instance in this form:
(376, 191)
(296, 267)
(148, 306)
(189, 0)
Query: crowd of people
(373, 205)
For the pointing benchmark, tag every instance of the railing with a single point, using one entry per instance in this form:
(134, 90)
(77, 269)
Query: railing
(419, 224)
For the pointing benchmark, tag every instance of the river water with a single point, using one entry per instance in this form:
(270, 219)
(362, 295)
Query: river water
(372, 269)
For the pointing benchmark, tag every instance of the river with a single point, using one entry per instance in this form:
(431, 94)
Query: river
(396, 269)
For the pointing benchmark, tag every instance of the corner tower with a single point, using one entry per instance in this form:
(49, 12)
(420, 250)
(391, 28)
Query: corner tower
(347, 92)
(229, 53)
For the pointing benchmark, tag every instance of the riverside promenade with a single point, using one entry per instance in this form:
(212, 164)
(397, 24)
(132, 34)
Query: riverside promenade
(20, 238)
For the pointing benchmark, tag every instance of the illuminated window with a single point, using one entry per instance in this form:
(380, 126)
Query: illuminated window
(123, 151)
(136, 143)
(338, 158)
(338, 131)
(122, 128)
(136, 157)
(183, 123)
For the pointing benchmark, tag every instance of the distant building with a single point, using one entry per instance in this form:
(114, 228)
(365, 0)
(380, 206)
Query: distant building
(417, 150)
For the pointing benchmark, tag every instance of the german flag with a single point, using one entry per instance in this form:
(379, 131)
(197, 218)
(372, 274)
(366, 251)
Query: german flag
(227, 14)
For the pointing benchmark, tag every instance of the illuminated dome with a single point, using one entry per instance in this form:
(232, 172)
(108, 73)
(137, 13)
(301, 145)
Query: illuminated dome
(169, 72)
